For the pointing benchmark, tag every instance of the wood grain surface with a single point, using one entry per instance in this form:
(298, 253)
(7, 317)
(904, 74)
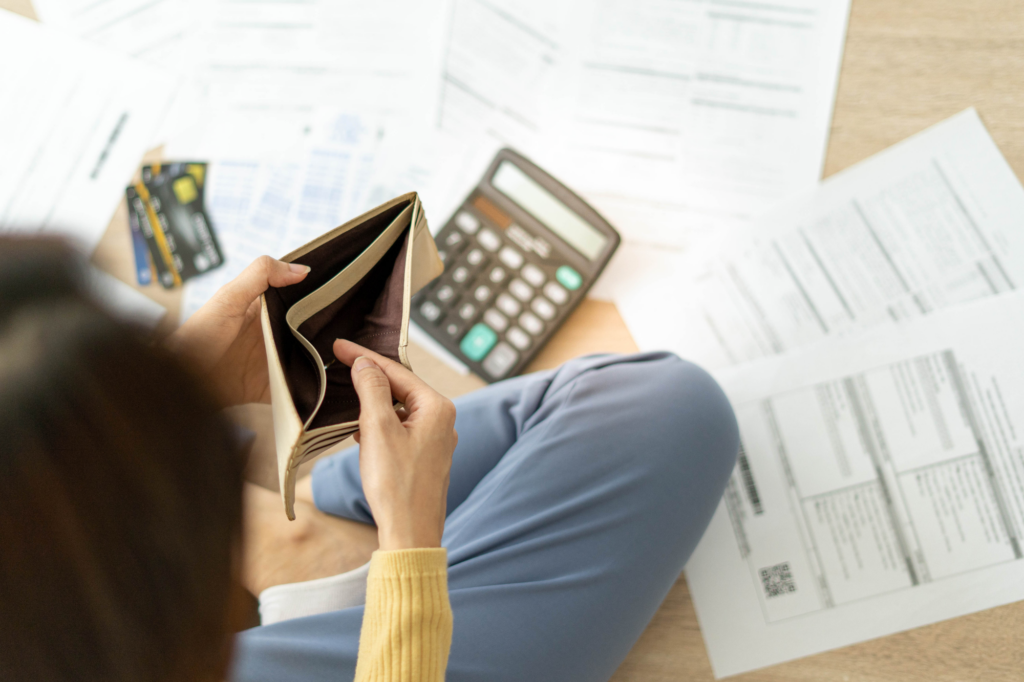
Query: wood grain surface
(907, 64)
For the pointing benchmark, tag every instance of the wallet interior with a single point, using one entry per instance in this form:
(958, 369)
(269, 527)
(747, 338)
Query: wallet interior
(370, 314)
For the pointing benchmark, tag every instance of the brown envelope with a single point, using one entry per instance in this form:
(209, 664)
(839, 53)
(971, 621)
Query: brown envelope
(363, 276)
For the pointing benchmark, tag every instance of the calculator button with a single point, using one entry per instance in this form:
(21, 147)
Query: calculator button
(454, 239)
(478, 342)
(467, 223)
(467, 311)
(521, 290)
(489, 240)
(568, 278)
(531, 324)
(543, 307)
(443, 255)
(556, 293)
(496, 320)
(497, 275)
(475, 257)
(511, 257)
(460, 274)
(501, 360)
(482, 293)
(430, 311)
(518, 338)
(508, 305)
(445, 293)
(533, 275)
(453, 325)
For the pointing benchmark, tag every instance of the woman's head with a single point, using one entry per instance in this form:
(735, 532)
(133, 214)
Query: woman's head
(120, 491)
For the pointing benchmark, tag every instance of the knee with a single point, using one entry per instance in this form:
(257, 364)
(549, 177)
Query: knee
(673, 406)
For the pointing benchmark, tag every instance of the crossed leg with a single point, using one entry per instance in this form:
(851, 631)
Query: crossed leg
(576, 497)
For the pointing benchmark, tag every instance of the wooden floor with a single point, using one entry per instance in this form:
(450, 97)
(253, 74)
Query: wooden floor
(908, 64)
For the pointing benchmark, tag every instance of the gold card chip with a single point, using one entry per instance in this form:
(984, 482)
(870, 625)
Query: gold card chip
(185, 189)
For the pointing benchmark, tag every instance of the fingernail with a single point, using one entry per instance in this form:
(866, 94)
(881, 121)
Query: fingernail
(362, 363)
(296, 268)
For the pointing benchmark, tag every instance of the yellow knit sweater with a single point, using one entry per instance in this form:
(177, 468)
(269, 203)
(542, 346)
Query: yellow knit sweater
(407, 623)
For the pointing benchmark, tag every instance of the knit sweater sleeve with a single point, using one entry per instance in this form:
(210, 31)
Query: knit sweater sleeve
(407, 623)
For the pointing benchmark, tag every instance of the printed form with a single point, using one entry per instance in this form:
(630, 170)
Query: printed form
(932, 221)
(382, 57)
(259, 68)
(71, 147)
(880, 487)
(673, 118)
(154, 31)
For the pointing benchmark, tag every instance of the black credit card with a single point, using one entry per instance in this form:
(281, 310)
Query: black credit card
(183, 234)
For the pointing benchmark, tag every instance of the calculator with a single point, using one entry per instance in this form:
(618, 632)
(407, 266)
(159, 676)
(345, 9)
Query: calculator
(520, 254)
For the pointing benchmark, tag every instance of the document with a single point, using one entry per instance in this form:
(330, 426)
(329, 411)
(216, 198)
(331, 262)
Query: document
(75, 121)
(880, 487)
(930, 222)
(674, 119)
(258, 69)
(154, 31)
(271, 63)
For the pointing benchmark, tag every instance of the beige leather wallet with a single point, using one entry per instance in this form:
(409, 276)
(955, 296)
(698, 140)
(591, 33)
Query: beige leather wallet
(361, 281)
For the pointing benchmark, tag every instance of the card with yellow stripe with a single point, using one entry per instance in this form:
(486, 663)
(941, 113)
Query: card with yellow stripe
(168, 203)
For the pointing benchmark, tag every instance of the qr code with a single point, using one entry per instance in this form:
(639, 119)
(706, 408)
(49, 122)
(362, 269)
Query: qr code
(777, 580)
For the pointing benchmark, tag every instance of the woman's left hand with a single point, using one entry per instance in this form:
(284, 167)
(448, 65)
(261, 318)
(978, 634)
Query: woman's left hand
(224, 338)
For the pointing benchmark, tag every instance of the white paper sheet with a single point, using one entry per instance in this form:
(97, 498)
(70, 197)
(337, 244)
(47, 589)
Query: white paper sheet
(268, 65)
(260, 68)
(932, 221)
(672, 118)
(75, 121)
(880, 488)
(154, 31)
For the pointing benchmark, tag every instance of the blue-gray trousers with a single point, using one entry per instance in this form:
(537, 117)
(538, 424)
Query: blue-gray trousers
(576, 497)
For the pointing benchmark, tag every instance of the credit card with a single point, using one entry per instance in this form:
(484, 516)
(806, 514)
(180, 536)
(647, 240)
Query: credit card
(172, 198)
(143, 270)
(138, 214)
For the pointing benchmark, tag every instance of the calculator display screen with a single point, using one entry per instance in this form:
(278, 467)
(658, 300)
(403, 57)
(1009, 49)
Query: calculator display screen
(545, 207)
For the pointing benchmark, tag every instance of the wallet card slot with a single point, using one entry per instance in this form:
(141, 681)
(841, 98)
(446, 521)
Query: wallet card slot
(320, 369)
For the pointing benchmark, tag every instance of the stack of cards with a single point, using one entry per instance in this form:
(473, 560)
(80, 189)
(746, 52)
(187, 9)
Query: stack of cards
(172, 234)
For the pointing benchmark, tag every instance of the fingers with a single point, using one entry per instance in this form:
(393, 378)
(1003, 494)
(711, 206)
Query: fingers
(403, 382)
(262, 273)
(374, 389)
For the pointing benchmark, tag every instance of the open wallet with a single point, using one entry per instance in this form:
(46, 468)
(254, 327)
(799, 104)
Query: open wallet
(362, 277)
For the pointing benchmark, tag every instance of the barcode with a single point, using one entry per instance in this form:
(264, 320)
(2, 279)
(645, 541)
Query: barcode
(777, 580)
(748, 482)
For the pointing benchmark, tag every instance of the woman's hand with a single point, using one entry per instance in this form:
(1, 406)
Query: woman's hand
(404, 457)
(224, 338)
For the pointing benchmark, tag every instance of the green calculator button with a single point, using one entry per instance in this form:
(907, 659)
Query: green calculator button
(478, 342)
(569, 278)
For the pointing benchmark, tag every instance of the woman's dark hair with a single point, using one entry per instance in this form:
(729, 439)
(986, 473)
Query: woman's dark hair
(120, 491)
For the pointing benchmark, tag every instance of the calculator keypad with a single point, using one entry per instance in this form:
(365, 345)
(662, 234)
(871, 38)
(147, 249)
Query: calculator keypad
(492, 301)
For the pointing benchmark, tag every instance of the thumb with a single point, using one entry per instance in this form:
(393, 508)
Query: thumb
(376, 407)
(262, 273)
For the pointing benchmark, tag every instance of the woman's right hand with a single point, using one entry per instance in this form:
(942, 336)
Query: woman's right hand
(405, 457)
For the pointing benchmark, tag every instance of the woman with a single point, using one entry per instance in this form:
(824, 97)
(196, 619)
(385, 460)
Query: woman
(555, 530)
